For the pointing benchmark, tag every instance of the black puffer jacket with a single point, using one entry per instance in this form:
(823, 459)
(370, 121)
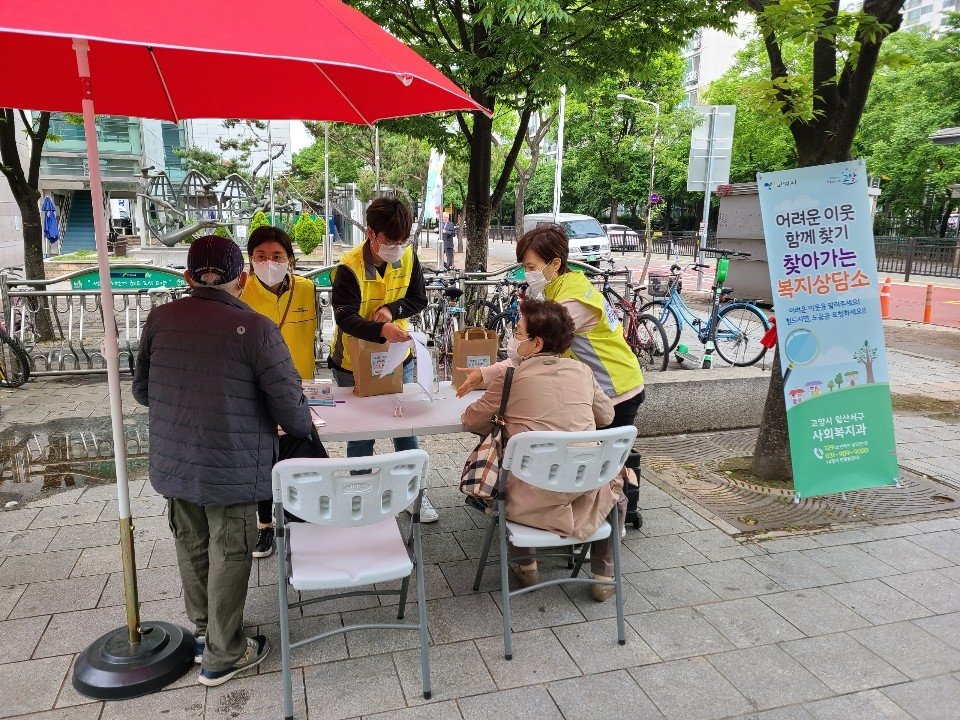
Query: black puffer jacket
(218, 379)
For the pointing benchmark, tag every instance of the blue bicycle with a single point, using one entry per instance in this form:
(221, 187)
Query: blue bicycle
(734, 330)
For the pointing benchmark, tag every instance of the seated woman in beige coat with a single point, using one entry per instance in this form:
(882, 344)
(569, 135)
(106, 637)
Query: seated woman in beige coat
(550, 392)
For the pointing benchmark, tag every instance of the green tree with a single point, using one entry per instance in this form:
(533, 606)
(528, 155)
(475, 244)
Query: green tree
(865, 355)
(822, 108)
(209, 164)
(914, 94)
(514, 54)
(24, 182)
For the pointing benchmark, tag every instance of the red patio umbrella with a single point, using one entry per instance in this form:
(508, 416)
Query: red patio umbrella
(302, 59)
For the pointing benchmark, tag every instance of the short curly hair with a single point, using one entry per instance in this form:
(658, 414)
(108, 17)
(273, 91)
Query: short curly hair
(550, 322)
(548, 241)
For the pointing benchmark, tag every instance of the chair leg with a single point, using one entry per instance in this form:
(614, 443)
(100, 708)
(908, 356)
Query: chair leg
(617, 574)
(281, 541)
(491, 528)
(422, 614)
(581, 556)
(403, 595)
(505, 587)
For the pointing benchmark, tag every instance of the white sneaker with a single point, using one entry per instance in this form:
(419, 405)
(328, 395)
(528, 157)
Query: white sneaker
(428, 513)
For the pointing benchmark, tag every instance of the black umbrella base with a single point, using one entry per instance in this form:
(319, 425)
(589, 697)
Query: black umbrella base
(112, 668)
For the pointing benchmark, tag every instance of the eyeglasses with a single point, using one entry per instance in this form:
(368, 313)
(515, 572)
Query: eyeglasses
(521, 336)
(384, 240)
(277, 257)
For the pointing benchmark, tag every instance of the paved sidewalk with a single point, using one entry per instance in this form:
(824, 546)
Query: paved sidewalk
(859, 622)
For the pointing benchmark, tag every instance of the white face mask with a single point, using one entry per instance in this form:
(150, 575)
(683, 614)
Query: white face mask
(536, 282)
(513, 350)
(391, 253)
(270, 273)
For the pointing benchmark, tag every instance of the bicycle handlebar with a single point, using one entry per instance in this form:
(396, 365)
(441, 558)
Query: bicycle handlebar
(722, 251)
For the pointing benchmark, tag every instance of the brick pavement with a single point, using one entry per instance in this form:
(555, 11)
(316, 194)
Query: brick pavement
(858, 622)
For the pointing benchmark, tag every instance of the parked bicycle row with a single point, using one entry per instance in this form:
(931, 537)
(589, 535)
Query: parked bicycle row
(653, 316)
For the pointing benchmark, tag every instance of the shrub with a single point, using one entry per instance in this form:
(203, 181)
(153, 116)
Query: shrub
(258, 220)
(309, 234)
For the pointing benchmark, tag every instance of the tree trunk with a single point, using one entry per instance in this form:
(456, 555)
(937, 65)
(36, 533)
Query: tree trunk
(477, 204)
(771, 455)
(519, 204)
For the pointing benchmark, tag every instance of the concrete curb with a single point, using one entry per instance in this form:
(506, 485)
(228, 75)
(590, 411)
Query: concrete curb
(690, 401)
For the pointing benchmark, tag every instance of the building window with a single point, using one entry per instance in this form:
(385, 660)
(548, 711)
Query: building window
(926, 9)
(913, 15)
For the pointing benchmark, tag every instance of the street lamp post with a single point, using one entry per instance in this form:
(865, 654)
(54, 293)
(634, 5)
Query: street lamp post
(653, 159)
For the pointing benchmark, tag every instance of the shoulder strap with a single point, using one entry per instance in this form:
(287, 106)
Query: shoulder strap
(498, 420)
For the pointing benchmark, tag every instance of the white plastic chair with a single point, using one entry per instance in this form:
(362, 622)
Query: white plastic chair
(567, 462)
(349, 539)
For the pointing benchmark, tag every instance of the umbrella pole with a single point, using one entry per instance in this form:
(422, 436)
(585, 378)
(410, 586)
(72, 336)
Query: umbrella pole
(136, 659)
(111, 354)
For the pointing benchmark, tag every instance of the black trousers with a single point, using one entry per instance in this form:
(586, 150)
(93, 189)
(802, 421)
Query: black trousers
(625, 413)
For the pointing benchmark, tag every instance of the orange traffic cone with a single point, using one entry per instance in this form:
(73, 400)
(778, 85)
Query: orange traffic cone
(928, 305)
(885, 299)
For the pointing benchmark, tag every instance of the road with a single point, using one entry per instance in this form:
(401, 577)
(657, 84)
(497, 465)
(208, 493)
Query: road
(907, 300)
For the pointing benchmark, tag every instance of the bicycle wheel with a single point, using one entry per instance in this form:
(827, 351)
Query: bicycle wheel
(14, 362)
(739, 329)
(649, 341)
(445, 349)
(667, 317)
(504, 325)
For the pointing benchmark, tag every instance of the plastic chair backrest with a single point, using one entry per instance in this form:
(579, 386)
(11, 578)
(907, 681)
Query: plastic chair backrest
(568, 461)
(323, 492)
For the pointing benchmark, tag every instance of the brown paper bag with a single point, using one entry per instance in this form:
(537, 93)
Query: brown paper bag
(473, 347)
(367, 358)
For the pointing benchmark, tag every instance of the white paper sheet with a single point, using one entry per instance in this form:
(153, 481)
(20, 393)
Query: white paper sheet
(425, 376)
(397, 352)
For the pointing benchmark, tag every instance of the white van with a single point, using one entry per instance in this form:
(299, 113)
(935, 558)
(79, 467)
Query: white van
(588, 242)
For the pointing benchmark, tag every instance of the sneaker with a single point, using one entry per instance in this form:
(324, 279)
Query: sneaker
(527, 574)
(602, 593)
(428, 513)
(264, 546)
(257, 649)
(199, 643)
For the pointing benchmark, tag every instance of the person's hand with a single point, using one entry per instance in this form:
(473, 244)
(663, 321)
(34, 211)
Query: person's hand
(473, 382)
(383, 315)
(394, 333)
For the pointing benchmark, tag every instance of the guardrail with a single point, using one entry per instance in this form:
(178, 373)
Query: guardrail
(62, 330)
(939, 257)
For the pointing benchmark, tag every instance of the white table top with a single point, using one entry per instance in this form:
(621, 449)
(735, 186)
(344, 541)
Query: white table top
(365, 418)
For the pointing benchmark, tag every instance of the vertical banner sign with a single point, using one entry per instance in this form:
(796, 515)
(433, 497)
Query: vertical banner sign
(823, 271)
(434, 200)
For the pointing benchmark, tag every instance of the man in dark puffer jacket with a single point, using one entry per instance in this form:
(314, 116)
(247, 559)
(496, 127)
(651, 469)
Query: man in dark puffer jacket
(218, 379)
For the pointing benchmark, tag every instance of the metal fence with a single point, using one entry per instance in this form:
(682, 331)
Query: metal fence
(62, 329)
(919, 256)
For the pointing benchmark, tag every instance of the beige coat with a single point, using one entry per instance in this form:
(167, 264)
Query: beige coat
(550, 393)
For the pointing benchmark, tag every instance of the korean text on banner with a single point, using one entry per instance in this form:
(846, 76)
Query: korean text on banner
(823, 271)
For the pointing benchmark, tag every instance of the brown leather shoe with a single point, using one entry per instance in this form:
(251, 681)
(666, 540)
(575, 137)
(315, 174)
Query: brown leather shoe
(602, 593)
(527, 574)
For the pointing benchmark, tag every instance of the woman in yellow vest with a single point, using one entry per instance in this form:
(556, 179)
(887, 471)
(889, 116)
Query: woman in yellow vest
(290, 301)
(598, 335)
(376, 287)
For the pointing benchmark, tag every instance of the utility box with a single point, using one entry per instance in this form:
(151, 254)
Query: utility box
(740, 227)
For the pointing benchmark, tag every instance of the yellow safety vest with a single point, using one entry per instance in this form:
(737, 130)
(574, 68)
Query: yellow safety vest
(375, 291)
(294, 311)
(602, 349)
